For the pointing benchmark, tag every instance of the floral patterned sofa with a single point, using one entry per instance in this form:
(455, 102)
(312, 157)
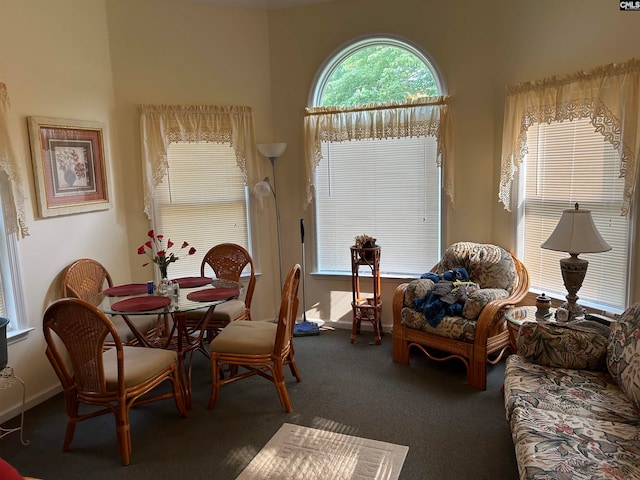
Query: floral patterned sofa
(479, 331)
(572, 400)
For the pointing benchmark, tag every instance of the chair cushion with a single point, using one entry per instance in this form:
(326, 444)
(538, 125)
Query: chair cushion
(579, 345)
(245, 337)
(554, 445)
(417, 289)
(455, 327)
(587, 393)
(623, 353)
(143, 323)
(229, 311)
(479, 299)
(488, 265)
(140, 364)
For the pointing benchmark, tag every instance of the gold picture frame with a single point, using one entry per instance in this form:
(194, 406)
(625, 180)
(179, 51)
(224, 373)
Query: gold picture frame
(69, 163)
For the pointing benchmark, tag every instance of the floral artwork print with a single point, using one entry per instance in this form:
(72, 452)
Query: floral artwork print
(72, 166)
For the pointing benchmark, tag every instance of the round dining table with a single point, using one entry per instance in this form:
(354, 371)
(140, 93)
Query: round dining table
(171, 332)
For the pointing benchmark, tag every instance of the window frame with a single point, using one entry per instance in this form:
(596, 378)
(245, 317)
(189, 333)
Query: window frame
(247, 209)
(318, 85)
(518, 193)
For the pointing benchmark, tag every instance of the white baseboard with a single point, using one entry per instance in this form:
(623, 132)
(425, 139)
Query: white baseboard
(32, 402)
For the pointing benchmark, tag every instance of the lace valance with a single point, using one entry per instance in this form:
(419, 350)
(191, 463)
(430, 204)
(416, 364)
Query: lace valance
(161, 125)
(12, 194)
(609, 96)
(424, 116)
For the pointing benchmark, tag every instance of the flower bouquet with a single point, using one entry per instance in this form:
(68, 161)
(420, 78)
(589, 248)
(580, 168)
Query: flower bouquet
(161, 256)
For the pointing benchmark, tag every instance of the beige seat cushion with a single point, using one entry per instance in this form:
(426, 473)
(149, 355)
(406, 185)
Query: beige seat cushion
(246, 337)
(140, 364)
(143, 323)
(227, 311)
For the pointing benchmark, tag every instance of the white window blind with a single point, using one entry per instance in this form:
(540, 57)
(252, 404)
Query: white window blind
(201, 200)
(568, 162)
(389, 189)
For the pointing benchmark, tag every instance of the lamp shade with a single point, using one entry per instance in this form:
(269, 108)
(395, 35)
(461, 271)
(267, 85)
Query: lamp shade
(576, 233)
(272, 150)
(262, 189)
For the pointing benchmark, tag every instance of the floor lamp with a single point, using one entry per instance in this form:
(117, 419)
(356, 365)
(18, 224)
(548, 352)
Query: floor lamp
(272, 151)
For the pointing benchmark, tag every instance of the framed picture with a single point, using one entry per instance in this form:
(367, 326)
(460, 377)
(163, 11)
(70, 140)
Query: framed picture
(69, 163)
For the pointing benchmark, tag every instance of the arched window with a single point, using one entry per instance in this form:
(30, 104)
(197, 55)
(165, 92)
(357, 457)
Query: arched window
(375, 138)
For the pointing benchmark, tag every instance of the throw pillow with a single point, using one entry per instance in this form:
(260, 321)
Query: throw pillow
(576, 345)
(623, 353)
(479, 299)
(417, 289)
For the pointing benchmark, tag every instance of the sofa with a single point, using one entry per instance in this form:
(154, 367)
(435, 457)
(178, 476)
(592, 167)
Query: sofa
(572, 399)
(475, 331)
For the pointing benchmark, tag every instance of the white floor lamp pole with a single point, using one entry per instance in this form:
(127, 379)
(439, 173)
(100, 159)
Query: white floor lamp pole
(272, 151)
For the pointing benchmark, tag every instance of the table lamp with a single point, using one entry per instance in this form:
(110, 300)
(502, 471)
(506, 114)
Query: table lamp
(575, 234)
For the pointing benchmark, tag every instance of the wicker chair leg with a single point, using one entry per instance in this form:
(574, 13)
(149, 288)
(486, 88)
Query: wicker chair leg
(278, 379)
(477, 374)
(400, 350)
(215, 382)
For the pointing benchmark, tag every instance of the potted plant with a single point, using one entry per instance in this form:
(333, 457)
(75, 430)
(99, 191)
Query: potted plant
(365, 241)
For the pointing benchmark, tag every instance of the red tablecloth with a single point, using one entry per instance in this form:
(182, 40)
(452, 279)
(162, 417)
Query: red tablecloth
(211, 294)
(141, 304)
(190, 282)
(124, 290)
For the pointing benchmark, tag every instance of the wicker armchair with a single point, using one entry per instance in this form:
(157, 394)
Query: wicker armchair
(86, 279)
(114, 378)
(478, 336)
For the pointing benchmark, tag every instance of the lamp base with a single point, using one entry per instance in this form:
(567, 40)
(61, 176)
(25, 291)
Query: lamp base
(573, 271)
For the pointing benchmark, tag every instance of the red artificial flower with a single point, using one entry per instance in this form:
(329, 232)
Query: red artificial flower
(162, 257)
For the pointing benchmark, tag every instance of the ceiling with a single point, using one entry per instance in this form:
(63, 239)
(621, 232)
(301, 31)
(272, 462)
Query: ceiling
(259, 4)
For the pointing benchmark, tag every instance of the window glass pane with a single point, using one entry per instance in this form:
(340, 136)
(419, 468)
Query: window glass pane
(566, 163)
(377, 74)
(389, 189)
(201, 200)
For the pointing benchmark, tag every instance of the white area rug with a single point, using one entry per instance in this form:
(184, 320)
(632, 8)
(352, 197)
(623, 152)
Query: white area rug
(302, 453)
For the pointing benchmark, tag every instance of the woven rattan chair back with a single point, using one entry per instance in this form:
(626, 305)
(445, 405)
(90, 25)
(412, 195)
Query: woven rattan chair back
(228, 261)
(82, 328)
(84, 279)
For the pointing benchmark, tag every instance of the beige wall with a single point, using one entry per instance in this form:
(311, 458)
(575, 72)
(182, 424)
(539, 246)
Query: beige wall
(55, 61)
(100, 59)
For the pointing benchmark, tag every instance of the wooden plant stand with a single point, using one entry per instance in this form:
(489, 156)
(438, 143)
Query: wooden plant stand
(366, 308)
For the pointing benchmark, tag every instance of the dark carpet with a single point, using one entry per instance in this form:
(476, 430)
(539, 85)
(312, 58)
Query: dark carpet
(452, 430)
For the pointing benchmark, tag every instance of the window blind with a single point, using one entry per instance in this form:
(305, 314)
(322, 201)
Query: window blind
(202, 200)
(389, 189)
(569, 162)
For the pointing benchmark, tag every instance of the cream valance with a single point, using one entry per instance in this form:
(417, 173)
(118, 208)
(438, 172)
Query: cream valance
(12, 194)
(161, 125)
(424, 116)
(609, 96)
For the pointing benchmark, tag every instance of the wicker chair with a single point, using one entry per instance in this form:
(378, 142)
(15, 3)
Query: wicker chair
(262, 348)
(86, 279)
(114, 377)
(228, 261)
(478, 336)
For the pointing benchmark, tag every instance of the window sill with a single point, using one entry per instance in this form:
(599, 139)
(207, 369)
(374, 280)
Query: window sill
(403, 277)
(16, 336)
